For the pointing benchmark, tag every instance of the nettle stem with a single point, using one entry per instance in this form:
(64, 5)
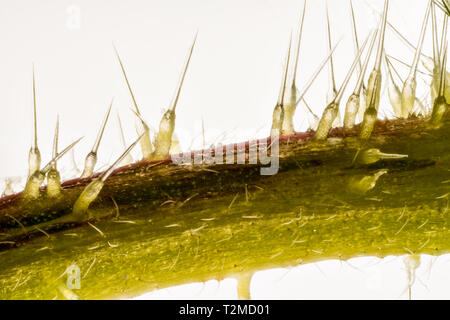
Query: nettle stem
(157, 224)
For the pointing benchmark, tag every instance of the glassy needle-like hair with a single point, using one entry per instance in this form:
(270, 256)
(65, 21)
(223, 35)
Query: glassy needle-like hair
(409, 87)
(444, 35)
(34, 182)
(144, 124)
(355, 33)
(91, 191)
(299, 41)
(331, 111)
(441, 104)
(34, 156)
(128, 158)
(278, 112)
(163, 138)
(369, 156)
(53, 176)
(362, 185)
(55, 140)
(146, 143)
(394, 93)
(332, 90)
(314, 122)
(74, 171)
(446, 73)
(375, 77)
(315, 74)
(436, 57)
(91, 158)
(363, 91)
(353, 103)
(289, 108)
(374, 85)
(425, 73)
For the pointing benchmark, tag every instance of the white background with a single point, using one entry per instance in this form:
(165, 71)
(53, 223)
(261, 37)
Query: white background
(232, 84)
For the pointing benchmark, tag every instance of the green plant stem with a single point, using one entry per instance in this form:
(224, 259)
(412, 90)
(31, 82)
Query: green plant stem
(180, 224)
